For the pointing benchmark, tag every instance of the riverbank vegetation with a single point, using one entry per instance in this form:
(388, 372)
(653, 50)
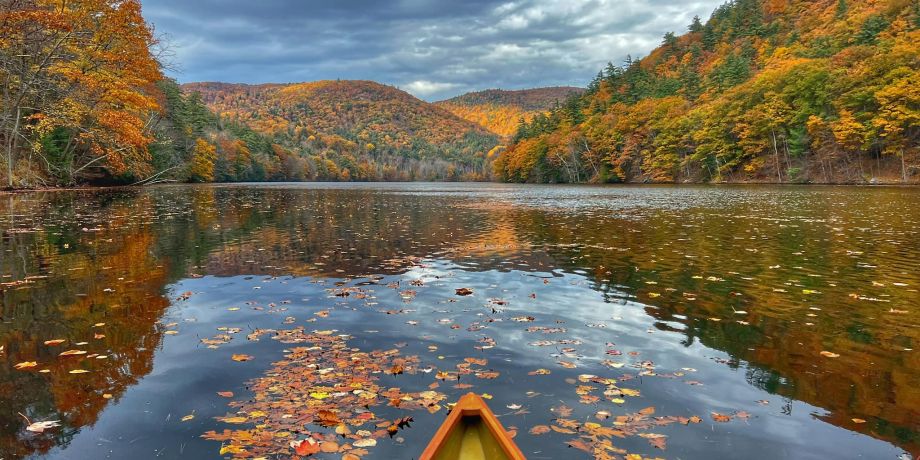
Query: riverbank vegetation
(785, 91)
(765, 91)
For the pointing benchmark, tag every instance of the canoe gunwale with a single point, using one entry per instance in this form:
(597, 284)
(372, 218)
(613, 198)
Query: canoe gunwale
(471, 405)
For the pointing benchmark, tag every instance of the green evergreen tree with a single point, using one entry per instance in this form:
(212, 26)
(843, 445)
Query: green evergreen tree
(696, 25)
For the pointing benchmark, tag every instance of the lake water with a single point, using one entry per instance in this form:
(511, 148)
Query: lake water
(673, 322)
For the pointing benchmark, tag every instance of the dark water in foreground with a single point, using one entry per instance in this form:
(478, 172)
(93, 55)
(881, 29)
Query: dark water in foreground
(708, 302)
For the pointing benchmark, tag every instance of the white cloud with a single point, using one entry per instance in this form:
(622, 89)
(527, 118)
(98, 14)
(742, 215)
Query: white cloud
(424, 88)
(433, 48)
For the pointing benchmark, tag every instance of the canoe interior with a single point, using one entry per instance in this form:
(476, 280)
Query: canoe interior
(471, 440)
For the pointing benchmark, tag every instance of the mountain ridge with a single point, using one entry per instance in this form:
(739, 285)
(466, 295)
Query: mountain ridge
(501, 111)
(361, 125)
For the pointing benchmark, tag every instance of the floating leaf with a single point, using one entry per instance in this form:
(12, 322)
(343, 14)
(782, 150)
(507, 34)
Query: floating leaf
(327, 418)
(72, 353)
(231, 449)
(367, 442)
(305, 447)
(40, 427)
(329, 447)
(241, 358)
(233, 420)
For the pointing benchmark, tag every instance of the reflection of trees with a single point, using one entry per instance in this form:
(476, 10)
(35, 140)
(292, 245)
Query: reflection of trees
(81, 266)
(153, 237)
(782, 351)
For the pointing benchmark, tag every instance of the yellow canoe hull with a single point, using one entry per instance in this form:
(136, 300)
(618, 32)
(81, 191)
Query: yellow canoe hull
(472, 432)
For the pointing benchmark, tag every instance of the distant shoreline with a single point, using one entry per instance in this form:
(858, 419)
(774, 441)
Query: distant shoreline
(82, 188)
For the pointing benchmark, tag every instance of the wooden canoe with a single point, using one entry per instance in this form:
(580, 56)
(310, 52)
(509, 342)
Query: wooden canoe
(472, 432)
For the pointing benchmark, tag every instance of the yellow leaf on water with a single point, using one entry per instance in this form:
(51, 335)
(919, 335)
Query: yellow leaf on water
(828, 354)
(234, 420)
(858, 420)
(78, 371)
(319, 395)
(231, 449)
(72, 353)
(188, 417)
(54, 342)
(486, 396)
(241, 358)
(26, 365)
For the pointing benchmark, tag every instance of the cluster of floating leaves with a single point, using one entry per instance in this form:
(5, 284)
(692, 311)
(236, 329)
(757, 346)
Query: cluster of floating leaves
(597, 438)
(329, 386)
(322, 397)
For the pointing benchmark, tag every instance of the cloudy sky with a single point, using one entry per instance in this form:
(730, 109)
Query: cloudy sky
(432, 49)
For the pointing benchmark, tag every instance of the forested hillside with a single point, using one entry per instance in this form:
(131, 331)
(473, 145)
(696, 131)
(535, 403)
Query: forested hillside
(501, 111)
(356, 130)
(764, 91)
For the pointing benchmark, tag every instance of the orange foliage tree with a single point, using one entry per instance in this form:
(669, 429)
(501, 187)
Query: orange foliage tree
(78, 79)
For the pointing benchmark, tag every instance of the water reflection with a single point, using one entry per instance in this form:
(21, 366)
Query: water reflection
(769, 276)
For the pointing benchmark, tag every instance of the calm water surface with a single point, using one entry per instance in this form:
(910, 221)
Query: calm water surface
(703, 302)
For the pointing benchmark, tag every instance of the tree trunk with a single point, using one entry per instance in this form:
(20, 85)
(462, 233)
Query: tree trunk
(11, 148)
(779, 176)
(878, 164)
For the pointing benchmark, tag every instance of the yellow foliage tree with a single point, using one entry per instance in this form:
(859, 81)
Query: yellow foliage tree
(202, 165)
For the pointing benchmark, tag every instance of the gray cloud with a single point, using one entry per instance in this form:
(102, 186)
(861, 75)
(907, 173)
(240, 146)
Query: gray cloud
(433, 49)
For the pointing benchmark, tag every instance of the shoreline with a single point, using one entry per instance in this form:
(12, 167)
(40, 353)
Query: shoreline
(79, 188)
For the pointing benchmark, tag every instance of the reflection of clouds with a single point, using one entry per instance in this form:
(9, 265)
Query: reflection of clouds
(571, 299)
(189, 372)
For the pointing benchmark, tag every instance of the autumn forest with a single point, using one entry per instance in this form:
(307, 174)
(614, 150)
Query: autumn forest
(504, 229)
(782, 91)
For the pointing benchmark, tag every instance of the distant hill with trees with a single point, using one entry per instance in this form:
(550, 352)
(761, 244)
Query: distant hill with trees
(355, 130)
(501, 111)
